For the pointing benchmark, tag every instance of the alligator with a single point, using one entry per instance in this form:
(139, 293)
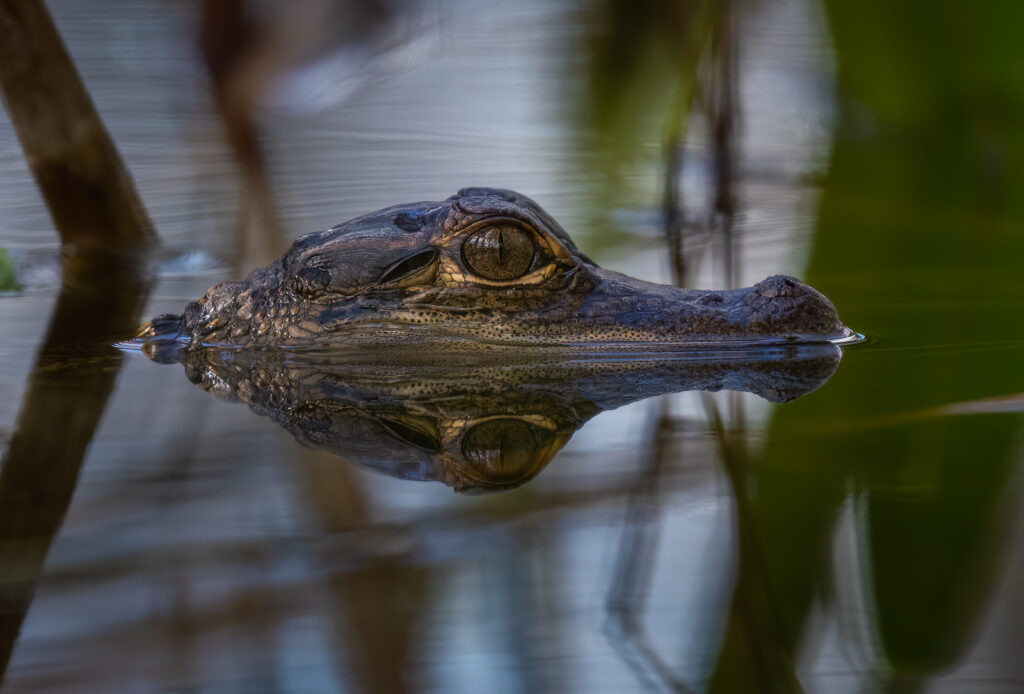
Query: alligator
(477, 421)
(484, 267)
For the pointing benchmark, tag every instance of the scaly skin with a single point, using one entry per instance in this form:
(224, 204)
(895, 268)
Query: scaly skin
(406, 274)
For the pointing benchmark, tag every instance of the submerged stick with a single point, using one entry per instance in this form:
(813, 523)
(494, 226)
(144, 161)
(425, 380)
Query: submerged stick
(105, 236)
(66, 395)
(86, 186)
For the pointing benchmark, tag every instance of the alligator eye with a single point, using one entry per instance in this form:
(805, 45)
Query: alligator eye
(502, 251)
(501, 448)
(409, 266)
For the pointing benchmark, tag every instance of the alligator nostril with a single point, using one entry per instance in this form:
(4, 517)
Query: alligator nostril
(779, 285)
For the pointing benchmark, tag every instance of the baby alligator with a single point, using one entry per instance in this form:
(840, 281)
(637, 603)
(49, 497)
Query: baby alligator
(483, 266)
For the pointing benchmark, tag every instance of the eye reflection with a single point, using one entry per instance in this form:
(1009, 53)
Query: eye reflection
(501, 448)
(502, 251)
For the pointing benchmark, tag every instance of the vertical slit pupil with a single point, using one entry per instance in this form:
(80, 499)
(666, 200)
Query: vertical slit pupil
(500, 252)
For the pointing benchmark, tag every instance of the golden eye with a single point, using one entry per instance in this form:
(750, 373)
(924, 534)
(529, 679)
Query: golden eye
(502, 251)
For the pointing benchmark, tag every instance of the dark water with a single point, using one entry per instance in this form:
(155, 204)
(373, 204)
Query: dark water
(863, 537)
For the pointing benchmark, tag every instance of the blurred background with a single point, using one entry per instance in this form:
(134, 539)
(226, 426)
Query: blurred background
(862, 538)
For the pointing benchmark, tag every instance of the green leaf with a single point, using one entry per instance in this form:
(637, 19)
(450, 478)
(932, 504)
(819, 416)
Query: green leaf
(8, 278)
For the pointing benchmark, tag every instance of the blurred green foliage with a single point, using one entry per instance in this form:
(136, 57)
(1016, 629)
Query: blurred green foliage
(641, 76)
(8, 279)
(924, 201)
(919, 244)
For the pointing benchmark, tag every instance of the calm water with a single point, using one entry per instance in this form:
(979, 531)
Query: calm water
(864, 537)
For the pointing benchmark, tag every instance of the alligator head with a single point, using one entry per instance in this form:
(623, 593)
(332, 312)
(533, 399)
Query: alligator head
(486, 266)
(478, 421)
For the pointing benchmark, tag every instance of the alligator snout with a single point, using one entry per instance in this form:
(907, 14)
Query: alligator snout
(786, 304)
(777, 308)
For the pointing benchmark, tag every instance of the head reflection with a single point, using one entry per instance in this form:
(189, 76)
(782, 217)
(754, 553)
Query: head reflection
(478, 423)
